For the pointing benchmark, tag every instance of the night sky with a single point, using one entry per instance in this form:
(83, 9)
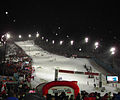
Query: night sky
(99, 20)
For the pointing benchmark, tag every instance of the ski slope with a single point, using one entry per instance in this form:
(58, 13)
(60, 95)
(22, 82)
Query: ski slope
(45, 64)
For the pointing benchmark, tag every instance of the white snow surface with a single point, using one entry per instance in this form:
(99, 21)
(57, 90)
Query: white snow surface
(45, 64)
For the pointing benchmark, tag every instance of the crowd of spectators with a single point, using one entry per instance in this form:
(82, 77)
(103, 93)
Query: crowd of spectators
(84, 96)
(16, 74)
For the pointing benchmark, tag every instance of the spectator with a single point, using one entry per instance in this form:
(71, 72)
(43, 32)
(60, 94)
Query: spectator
(56, 96)
(71, 97)
(62, 96)
(98, 96)
(48, 97)
(114, 95)
(11, 96)
(117, 97)
(78, 96)
(105, 97)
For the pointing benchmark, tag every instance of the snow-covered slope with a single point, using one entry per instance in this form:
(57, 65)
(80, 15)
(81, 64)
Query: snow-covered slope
(45, 64)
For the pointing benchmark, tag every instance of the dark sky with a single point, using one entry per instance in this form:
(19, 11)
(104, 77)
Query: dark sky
(77, 19)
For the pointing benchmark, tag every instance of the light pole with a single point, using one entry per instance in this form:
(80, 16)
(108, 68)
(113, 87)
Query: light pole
(112, 51)
(4, 40)
(7, 36)
(95, 51)
(86, 41)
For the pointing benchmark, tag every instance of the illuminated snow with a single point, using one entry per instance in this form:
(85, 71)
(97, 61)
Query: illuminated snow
(45, 64)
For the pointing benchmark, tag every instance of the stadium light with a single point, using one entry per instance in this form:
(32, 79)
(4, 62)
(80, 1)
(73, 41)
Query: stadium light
(37, 35)
(96, 45)
(7, 35)
(53, 41)
(6, 12)
(112, 50)
(58, 27)
(29, 35)
(42, 38)
(86, 40)
(80, 49)
(20, 36)
(56, 34)
(46, 40)
(61, 42)
(113, 53)
(67, 36)
(71, 42)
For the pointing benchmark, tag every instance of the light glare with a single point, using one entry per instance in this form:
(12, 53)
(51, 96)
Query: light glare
(86, 39)
(61, 42)
(6, 12)
(8, 35)
(112, 52)
(112, 49)
(20, 36)
(29, 35)
(96, 43)
(80, 49)
(42, 38)
(37, 35)
(46, 40)
(53, 41)
(71, 42)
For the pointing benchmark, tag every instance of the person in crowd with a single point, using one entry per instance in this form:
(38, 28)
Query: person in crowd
(11, 96)
(66, 98)
(78, 96)
(117, 97)
(114, 95)
(105, 97)
(109, 96)
(53, 98)
(56, 96)
(62, 96)
(98, 96)
(71, 97)
(48, 97)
